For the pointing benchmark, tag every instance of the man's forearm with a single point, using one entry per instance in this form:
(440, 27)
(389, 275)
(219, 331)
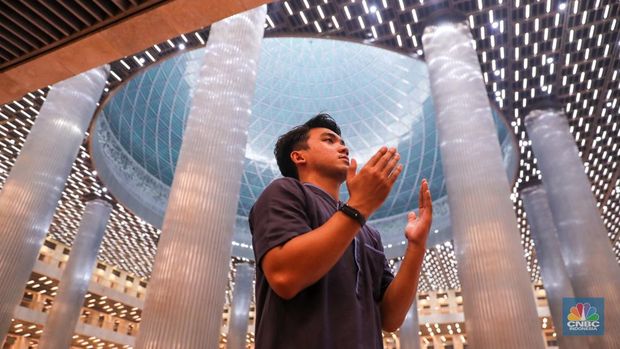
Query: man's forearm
(400, 294)
(305, 259)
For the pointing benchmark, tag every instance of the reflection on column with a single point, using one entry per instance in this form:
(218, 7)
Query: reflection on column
(185, 298)
(33, 188)
(240, 309)
(556, 281)
(500, 310)
(21, 343)
(457, 342)
(590, 262)
(437, 343)
(65, 312)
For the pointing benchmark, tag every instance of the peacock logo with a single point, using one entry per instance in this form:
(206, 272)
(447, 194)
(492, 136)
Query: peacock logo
(583, 316)
(583, 312)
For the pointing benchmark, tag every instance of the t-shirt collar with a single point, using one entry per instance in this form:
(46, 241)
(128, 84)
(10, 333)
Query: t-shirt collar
(321, 192)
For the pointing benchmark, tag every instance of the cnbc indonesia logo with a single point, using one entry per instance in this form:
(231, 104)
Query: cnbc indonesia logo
(583, 317)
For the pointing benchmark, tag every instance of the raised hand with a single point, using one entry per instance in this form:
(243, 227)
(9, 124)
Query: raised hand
(371, 186)
(418, 227)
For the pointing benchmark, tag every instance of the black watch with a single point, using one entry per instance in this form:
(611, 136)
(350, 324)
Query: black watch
(353, 213)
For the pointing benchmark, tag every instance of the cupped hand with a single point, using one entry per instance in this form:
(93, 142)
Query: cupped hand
(369, 187)
(418, 226)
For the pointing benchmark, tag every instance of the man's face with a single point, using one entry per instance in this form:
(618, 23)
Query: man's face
(326, 154)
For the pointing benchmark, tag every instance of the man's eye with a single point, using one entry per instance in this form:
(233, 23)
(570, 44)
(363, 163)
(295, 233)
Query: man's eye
(329, 140)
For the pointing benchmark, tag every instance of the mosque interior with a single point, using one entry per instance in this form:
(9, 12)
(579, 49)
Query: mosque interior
(361, 61)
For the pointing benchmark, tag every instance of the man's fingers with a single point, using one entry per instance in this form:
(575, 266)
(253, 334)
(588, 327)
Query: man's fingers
(421, 197)
(385, 158)
(429, 202)
(394, 175)
(391, 164)
(373, 160)
(351, 171)
(411, 216)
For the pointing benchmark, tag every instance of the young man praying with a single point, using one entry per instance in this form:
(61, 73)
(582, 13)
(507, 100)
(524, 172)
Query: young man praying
(322, 278)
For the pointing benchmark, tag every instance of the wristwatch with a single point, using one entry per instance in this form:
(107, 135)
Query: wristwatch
(353, 213)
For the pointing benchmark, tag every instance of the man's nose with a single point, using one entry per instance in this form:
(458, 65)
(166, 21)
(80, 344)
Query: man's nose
(344, 149)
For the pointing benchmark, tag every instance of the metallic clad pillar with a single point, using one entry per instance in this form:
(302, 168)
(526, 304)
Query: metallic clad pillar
(409, 331)
(554, 275)
(457, 343)
(185, 298)
(437, 343)
(590, 262)
(240, 310)
(500, 310)
(65, 313)
(21, 343)
(33, 188)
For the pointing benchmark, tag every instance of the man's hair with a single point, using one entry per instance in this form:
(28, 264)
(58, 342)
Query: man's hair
(297, 139)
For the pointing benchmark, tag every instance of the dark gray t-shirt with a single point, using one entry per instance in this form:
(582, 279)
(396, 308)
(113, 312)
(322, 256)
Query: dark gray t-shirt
(339, 311)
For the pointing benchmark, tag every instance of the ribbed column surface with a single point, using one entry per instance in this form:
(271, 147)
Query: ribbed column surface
(33, 188)
(500, 310)
(21, 343)
(457, 343)
(590, 262)
(240, 309)
(409, 331)
(185, 298)
(62, 318)
(552, 268)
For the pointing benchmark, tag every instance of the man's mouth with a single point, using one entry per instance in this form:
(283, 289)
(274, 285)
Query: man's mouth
(344, 158)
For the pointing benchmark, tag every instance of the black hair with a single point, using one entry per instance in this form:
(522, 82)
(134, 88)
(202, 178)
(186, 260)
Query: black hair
(296, 139)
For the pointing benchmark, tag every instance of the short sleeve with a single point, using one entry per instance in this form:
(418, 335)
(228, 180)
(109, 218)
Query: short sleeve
(278, 215)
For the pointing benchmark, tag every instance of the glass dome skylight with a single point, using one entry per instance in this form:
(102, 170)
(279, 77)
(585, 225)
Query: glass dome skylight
(378, 97)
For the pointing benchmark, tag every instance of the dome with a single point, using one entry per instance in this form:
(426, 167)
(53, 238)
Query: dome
(378, 97)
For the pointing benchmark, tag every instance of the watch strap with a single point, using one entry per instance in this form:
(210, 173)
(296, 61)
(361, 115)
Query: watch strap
(353, 213)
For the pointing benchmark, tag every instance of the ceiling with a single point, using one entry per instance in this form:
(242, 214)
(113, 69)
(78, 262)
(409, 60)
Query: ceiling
(29, 28)
(382, 98)
(526, 49)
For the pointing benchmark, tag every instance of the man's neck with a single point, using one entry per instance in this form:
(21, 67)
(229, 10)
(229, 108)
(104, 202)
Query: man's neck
(330, 186)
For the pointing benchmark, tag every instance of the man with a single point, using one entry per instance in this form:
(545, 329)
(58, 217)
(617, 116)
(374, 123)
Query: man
(322, 279)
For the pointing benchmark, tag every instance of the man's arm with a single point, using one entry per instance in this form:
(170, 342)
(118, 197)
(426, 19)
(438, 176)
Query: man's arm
(303, 260)
(400, 294)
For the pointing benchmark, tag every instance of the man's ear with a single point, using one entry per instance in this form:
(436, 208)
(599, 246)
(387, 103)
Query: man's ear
(298, 157)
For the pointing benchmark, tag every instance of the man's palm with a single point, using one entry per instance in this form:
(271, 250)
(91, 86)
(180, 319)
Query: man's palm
(418, 227)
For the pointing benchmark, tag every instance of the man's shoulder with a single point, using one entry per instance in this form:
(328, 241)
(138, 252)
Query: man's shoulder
(283, 185)
(280, 188)
(284, 182)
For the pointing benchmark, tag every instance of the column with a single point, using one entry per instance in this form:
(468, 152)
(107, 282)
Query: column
(33, 188)
(500, 310)
(590, 262)
(457, 343)
(185, 298)
(437, 343)
(409, 331)
(21, 342)
(65, 312)
(240, 309)
(554, 275)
